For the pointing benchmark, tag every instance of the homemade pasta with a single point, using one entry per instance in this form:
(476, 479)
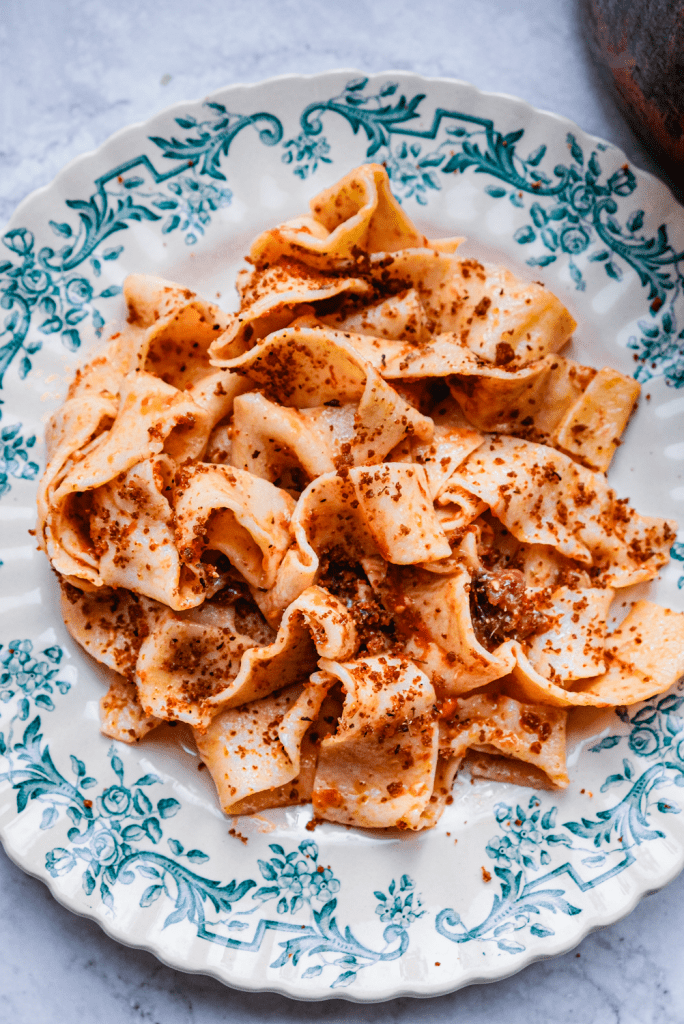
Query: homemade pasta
(359, 533)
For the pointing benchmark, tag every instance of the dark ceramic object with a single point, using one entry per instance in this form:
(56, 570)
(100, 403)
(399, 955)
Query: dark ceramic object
(640, 44)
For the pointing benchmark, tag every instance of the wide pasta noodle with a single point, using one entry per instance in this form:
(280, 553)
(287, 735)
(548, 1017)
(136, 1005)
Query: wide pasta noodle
(357, 534)
(378, 769)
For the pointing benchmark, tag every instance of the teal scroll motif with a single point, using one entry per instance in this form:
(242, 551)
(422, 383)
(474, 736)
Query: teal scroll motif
(525, 846)
(117, 834)
(524, 849)
(56, 288)
(573, 208)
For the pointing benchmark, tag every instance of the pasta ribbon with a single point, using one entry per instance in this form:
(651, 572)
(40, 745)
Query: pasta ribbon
(256, 748)
(122, 715)
(274, 296)
(543, 497)
(493, 723)
(307, 368)
(358, 214)
(219, 508)
(378, 768)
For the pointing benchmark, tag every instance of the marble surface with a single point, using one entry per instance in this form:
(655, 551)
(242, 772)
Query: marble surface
(71, 73)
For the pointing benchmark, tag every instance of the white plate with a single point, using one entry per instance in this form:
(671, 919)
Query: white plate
(133, 837)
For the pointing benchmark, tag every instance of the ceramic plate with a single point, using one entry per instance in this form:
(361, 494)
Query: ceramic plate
(132, 836)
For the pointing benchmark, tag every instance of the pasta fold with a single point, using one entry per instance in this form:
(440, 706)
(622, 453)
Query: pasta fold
(191, 669)
(274, 296)
(362, 512)
(378, 769)
(358, 214)
(307, 368)
(122, 715)
(543, 497)
(645, 656)
(491, 723)
(222, 509)
(257, 747)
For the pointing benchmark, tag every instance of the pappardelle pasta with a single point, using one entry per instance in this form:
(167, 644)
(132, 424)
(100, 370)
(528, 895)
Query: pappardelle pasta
(358, 534)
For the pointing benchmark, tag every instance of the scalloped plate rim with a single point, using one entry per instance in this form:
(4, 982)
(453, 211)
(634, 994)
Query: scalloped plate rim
(346, 995)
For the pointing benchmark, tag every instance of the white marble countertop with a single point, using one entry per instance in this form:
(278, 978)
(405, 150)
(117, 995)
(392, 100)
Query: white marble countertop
(71, 73)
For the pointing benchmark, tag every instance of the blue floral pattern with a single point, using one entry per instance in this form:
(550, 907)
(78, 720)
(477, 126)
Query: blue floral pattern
(401, 904)
(44, 288)
(528, 841)
(115, 838)
(15, 455)
(524, 846)
(24, 677)
(298, 881)
(186, 204)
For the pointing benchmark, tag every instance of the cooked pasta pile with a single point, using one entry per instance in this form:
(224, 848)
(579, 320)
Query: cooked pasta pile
(358, 533)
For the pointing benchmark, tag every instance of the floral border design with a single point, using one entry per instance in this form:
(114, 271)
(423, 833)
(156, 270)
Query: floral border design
(527, 840)
(117, 830)
(15, 457)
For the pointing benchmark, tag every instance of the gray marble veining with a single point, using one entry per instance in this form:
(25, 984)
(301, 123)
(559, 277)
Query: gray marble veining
(71, 73)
